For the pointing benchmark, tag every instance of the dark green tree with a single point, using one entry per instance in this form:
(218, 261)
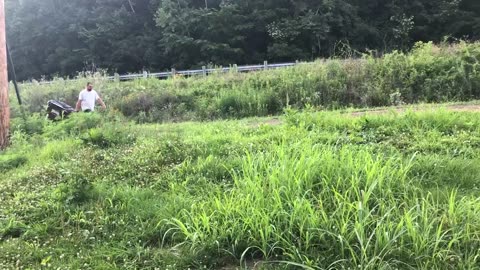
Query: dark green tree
(55, 37)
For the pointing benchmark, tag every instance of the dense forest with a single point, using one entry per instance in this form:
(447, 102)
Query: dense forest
(57, 37)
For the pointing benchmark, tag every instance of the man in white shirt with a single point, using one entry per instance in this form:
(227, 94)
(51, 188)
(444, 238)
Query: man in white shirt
(87, 98)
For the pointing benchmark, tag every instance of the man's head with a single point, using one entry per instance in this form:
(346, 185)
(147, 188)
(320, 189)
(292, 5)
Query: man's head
(89, 86)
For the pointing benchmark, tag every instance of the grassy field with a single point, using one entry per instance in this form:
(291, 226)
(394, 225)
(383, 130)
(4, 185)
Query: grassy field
(317, 190)
(396, 188)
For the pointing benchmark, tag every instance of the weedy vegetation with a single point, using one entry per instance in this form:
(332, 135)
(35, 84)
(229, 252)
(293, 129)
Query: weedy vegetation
(315, 190)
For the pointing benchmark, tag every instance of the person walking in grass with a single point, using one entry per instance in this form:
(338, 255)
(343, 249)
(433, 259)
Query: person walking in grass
(87, 98)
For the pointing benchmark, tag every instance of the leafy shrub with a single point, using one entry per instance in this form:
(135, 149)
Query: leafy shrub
(77, 190)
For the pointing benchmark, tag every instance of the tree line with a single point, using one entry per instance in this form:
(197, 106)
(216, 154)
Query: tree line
(57, 37)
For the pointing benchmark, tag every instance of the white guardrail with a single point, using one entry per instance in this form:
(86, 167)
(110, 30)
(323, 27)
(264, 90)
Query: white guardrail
(196, 72)
(204, 71)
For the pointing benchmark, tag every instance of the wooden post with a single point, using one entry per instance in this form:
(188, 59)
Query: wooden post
(4, 106)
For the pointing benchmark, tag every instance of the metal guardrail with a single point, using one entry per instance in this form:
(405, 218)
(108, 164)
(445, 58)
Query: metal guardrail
(197, 72)
(204, 71)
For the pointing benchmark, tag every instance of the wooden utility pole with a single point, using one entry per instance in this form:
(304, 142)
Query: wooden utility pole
(4, 107)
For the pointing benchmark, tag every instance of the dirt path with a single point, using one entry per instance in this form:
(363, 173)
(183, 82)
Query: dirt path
(275, 121)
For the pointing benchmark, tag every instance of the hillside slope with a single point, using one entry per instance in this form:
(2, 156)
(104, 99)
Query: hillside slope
(427, 74)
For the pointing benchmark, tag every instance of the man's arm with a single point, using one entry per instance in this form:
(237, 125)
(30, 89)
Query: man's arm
(99, 99)
(79, 105)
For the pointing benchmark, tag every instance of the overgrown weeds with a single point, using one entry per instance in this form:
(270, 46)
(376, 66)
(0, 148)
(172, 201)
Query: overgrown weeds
(429, 73)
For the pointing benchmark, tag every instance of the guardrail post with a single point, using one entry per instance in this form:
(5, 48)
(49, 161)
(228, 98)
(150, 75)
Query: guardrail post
(173, 73)
(145, 74)
(296, 62)
(265, 65)
(204, 70)
(116, 77)
(235, 68)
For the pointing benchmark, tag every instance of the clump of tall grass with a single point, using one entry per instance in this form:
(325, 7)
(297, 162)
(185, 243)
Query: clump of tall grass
(317, 206)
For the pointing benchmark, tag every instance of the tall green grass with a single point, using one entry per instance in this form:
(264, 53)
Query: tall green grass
(324, 207)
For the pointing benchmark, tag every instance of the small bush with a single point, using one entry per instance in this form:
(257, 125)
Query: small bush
(77, 190)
